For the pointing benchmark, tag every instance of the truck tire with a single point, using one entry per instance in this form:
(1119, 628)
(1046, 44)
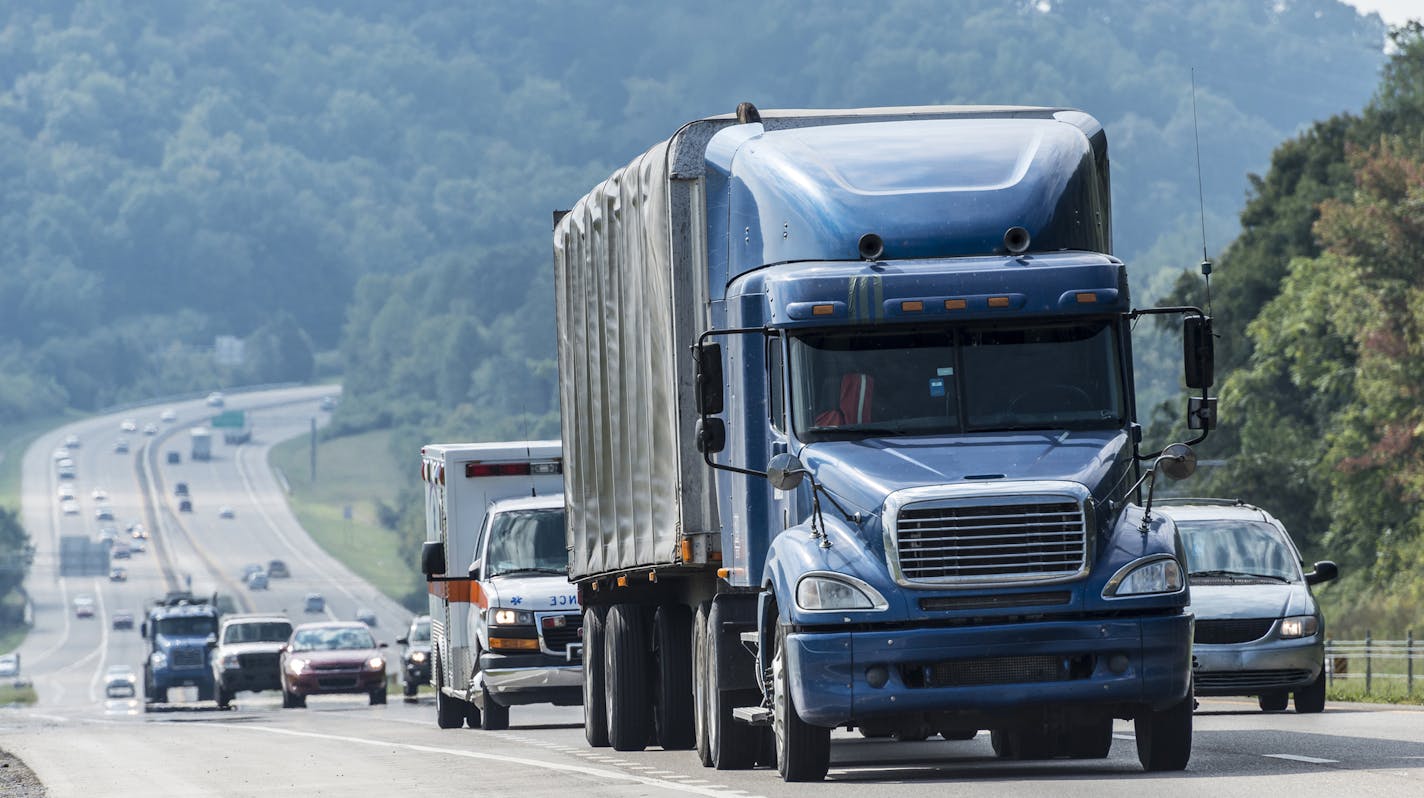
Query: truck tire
(378, 696)
(449, 712)
(595, 710)
(1091, 740)
(292, 700)
(959, 734)
(673, 715)
(1274, 702)
(224, 698)
(625, 671)
(206, 693)
(803, 751)
(1309, 700)
(495, 715)
(1164, 739)
(699, 682)
(730, 748)
(1021, 745)
(409, 689)
(158, 695)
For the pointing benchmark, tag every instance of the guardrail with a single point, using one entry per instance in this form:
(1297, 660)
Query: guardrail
(1372, 659)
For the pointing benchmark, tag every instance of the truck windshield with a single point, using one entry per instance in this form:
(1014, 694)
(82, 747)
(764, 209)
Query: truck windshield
(528, 541)
(194, 626)
(857, 384)
(262, 632)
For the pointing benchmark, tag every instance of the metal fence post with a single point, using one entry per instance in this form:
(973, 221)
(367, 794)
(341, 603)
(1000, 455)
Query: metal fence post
(1409, 663)
(1330, 659)
(1369, 664)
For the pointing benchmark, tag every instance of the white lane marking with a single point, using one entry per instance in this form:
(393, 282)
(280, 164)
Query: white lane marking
(1117, 736)
(103, 616)
(1314, 760)
(540, 764)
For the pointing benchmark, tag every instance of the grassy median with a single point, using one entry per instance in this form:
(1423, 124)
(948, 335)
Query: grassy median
(354, 474)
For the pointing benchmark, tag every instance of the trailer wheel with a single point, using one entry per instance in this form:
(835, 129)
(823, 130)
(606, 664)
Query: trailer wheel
(699, 682)
(625, 671)
(730, 748)
(595, 710)
(1164, 739)
(496, 715)
(1311, 699)
(803, 751)
(673, 712)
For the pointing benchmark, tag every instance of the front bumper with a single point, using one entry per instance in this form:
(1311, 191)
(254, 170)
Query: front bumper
(255, 679)
(166, 678)
(1261, 666)
(328, 682)
(516, 679)
(829, 669)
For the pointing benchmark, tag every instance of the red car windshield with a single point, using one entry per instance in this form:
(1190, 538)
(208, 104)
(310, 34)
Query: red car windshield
(336, 639)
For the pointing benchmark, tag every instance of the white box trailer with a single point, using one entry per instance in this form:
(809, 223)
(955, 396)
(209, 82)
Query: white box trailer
(461, 482)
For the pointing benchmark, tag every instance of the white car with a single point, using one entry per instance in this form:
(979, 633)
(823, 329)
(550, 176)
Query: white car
(168, 416)
(226, 512)
(71, 442)
(66, 493)
(120, 681)
(61, 454)
(121, 446)
(215, 399)
(99, 495)
(128, 425)
(150, 428)
(69, 507)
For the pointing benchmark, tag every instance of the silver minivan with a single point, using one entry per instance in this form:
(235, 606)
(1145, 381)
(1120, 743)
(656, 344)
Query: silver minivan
(1259, 630)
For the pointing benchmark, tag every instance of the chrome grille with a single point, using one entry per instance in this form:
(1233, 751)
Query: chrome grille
(555, 639)
(1004, 541)
(1235, 630)
(186, 657)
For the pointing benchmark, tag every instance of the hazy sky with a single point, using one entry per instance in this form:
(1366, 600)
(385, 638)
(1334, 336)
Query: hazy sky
(1393, 12)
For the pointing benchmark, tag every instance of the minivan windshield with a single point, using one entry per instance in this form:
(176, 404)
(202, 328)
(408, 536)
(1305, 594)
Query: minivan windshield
(854, 384)
(1230, 550)
(528, 541)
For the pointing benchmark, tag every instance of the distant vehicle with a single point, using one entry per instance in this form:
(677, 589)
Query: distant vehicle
(332, 658)
(248, 654)
(174, 458)
(185, 506)
(108, 534)
(314, 603)
(84, 606)
(121, 446)
(120, 550)
(69, 507)
(250, 569)
(60, 454)
(1258, 629)
(278, 570)
(150, 428)
(128, 425)
(71, 442)
(215, 399)
(122, 619)
(415, 656)
(138, 546)
(226, 512)
(137, 531)
(104, 513)
(99, 495)
(9, 665)
(202, 439)
(66, 492)
(169, 415)
(257, 581)
(67, 462)
(119, 573)
(328, 403)
(120, 681)
(366, 616)
(181, 489)
(66, 472)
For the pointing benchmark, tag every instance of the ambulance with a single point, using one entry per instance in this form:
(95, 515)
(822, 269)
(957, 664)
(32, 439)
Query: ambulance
(505, 624)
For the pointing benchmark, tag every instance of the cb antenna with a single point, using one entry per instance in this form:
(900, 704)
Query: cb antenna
(1201, 195)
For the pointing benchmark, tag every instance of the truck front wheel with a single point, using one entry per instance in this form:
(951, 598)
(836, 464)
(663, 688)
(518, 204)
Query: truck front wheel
(595, 711)
(699, 682)
(1164, 739)
(803, 751)
(625, 672)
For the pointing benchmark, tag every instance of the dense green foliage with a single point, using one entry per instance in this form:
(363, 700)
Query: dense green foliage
(1322, 335)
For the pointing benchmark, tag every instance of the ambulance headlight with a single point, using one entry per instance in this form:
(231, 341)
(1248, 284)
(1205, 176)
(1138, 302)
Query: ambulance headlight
(500, 617)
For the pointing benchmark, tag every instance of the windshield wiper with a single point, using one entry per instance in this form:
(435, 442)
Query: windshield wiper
(552, 571)
(1239, 573)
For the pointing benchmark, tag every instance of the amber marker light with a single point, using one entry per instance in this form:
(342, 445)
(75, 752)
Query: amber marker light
(998, 301)
(955, 304)
(913, 306)
(1087, 298)
(823, 310)
(514, 643)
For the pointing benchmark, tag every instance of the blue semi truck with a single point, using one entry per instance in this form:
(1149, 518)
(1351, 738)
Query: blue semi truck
(181, 631)
(850, 441)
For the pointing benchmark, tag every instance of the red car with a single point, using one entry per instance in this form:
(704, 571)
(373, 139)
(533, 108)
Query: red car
(333, 657)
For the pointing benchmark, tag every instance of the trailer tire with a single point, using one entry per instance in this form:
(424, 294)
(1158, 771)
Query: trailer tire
(496, 715)
(728, 750)
(699, 682)
(625, 671)
(673, 712)
(1311, 699)
(1164, 739)
(803, 751)
(595, 710)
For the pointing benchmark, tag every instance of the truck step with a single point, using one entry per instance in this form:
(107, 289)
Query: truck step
(753, 637)
(752, 716)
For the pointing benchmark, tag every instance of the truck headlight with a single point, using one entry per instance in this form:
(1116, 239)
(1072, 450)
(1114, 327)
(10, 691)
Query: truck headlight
(828, 593)
(1160, 574)
(417, 656)
(296, 665)
(1299, 626)
(159, 660)
(511, 617)
(376, 664)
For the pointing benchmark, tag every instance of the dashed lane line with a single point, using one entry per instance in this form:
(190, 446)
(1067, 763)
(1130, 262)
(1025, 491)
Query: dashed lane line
(1314, 760)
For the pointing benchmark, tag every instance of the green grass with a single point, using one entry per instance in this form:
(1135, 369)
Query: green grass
(355, 471)
(9, 694)
(17, 439)
(1382, 691)
(11, 637)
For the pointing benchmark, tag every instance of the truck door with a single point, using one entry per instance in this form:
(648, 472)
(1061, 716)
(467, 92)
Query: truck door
(782, 503)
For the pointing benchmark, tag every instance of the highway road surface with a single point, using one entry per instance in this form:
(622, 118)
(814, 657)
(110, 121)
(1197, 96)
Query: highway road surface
(81, 744)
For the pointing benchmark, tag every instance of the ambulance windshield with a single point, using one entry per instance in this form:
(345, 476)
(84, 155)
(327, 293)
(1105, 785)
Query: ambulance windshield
(528, 541)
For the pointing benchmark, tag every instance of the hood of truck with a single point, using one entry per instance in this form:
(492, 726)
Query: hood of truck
(864, 472)
(531, 592)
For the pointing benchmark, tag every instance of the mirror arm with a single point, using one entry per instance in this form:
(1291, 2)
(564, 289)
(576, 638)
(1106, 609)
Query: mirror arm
(1134, 315)
(701, 339)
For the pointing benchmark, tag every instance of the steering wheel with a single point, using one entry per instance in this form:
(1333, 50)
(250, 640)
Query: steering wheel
(1062, 389)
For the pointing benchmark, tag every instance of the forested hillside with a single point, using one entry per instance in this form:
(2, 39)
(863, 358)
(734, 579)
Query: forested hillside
(1319, 307)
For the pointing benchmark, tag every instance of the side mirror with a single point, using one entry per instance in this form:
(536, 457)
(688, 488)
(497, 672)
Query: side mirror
(284, 649)
(709, 379)
(143, 630)
(711, 435)
(1178, 461)
(1325, 570)
(1198, 351)
(403, 641)
(785, 471)
(1201, 413)
(476, 568)
(432, 558)
(211, 642)
(383, 645)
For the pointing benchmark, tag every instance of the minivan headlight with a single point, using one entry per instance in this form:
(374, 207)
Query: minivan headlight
(1299, 626)
(1162, 574)
(825, 593)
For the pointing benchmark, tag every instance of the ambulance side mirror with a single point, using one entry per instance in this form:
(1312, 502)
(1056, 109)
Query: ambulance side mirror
(432, 558)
